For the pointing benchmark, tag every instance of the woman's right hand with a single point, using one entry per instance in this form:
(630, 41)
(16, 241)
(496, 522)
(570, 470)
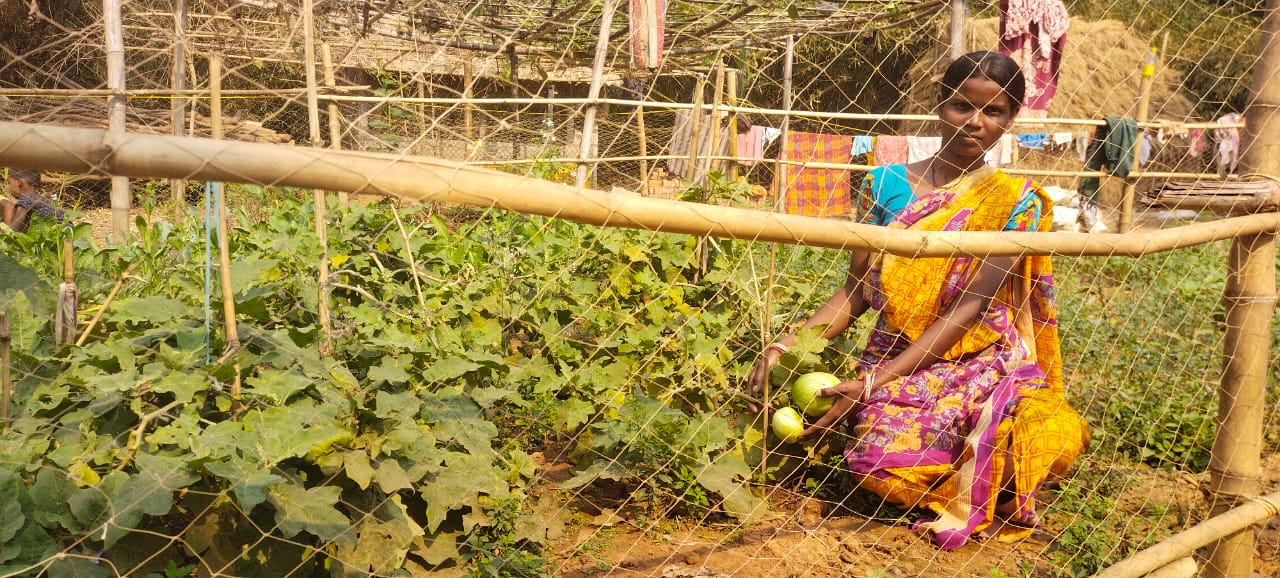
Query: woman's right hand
(760, 375)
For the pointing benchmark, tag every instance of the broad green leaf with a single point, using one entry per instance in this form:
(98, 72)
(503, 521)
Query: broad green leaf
(156, 310)
(391, 370)
(391, 477)
(456, 417)
(277, 386)
(312, 510)
(183, 386)
(247, 272)
(309, 427)
(50, 496)
(460, 484)
(248, 480)
(356, 463)
(11, 516)
(448, 369)
(725, 476)
(401, 406)
(78, 567)
(600, 469)
(149, 492)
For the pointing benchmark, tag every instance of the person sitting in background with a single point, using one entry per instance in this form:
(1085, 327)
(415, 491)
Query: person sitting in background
(24, 200)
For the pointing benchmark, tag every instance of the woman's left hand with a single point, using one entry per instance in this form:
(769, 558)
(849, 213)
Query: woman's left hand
(847, 396)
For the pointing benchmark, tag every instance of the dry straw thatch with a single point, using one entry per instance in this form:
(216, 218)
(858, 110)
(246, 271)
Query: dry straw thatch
(1100, 75)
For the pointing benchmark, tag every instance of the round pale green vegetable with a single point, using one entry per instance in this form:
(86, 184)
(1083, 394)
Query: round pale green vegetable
(787, 424)
(804, 393)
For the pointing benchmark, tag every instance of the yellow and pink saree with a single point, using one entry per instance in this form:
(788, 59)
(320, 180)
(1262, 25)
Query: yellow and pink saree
(949, 436)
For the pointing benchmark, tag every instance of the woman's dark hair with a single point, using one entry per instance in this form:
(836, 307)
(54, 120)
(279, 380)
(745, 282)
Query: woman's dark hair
(992, 66)
(27, 175)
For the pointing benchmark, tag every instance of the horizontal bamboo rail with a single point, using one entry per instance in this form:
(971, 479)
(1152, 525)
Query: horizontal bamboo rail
(84, 150)
(1184, 544)
(337, 94)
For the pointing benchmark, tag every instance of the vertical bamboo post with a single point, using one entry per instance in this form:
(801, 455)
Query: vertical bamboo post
(121, 202)
(780, 171)
(468, 127)
(644, 147)
(717, 99)
(178, 105)
(420, 81)
(335, 124)
(1250, 294)
(318, 196)
(1144, 107)
(6, 385)
(959, 13)
(731, 93)
(695, 126)
(224, 243)
(593, 93)
(513, 61)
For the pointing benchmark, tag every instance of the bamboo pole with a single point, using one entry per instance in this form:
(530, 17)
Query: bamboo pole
(597, 81)
(224, 243)
(85, 150)
(1235, 466)
(959, 14)
(644, 150)
(468, 123)
(1185, 543)
(318, 196)
(1144, 107)
(6, 384)
(780, 167)
(111, 296)
(731, 91)
(121, 200)
(335, 126)
(695, 127)
(178, 106)
(717, 99)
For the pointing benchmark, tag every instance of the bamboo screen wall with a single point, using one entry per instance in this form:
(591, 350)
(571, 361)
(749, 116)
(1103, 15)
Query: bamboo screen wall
(572, 395)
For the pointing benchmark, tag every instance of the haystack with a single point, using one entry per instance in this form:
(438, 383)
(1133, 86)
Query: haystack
(1100, 75)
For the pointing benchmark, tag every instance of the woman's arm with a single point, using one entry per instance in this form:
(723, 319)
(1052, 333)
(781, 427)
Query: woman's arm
(836, 315)
(944, 333)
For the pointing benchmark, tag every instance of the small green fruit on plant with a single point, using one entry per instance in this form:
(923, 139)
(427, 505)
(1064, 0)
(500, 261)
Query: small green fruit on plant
(804, 393)
(787, 424)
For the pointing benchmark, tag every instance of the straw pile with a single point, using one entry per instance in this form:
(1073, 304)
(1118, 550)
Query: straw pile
(1100, 75)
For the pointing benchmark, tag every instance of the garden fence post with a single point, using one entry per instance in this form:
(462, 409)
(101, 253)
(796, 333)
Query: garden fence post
(178, 106)
(121, 202)
(597, 81)
(318, 195)
(1250, 298)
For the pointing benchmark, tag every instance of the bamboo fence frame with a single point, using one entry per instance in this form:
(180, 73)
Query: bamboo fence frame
(100, 151)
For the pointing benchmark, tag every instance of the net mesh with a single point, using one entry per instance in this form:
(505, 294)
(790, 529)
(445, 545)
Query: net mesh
(509, 394)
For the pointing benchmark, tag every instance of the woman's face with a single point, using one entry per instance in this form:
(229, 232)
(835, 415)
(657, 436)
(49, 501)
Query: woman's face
(974, 118)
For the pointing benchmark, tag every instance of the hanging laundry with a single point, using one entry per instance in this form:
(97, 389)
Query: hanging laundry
(751, 146)
(816, 192)
(1034, 33)
(862, 144)
(1111, 147)
(1082, 145)
(1144, 155)
(771, 134)
(648, 21)
(681, 142)
(1061, 140)
(1228, 143)
(1001, 154)
(922, 147)
(1197, 143)
(1033, 140)
(890, 150)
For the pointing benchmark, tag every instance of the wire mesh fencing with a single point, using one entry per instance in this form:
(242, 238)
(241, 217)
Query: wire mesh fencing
(467, 390)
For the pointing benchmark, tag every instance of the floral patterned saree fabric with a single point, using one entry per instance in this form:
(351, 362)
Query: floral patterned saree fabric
(944, 437)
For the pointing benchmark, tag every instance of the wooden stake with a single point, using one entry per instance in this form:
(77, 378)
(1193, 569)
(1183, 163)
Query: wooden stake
(224, 242)
(644, 149)
(695, 127)
(1144, 106)
(717, 99)
(731, 93)
(318, 195)
(178, 105)
(780, 167)
(335, 122)
(121, 200)
(959, 13)
(468, 129)
(597, 81)
(111, 296)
